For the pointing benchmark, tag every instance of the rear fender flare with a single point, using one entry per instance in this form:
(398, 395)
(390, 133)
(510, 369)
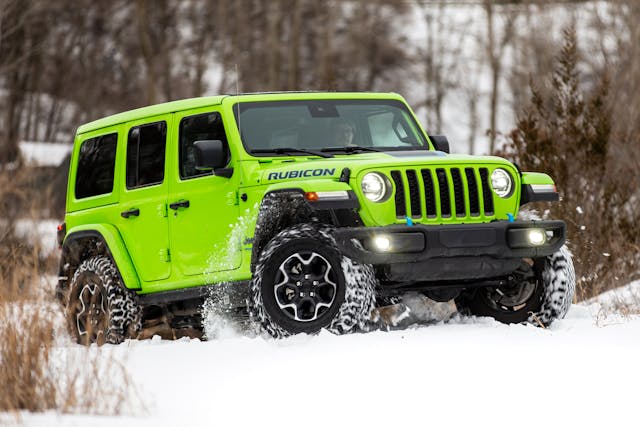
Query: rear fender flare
(89, 240)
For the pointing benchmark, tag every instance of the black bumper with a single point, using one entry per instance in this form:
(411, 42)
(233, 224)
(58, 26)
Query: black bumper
(450, 252)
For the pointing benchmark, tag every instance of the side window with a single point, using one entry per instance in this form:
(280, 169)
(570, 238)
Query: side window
(145, 154)
(96, 165)
(382, 130)
(391, 129)
(201, 127)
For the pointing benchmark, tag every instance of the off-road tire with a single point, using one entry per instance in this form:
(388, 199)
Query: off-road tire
(117, 314)
(354, 297)
(551, 299)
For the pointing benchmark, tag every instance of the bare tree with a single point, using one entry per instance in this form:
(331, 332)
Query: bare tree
(495, 48)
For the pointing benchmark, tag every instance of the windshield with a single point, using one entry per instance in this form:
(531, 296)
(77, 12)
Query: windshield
(327, 125)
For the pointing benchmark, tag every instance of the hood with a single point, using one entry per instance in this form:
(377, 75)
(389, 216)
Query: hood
(280, 169)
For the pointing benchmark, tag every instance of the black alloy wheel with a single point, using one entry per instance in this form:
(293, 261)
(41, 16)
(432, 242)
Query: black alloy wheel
(306, 286)
(303, 286)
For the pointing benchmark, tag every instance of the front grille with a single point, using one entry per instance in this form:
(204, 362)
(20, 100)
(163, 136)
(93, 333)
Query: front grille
(401, 208)
(443, 185)
(458, 192)
(433, 193)
(474, 202)
(487, 197)
(429, 193)
(414, 194)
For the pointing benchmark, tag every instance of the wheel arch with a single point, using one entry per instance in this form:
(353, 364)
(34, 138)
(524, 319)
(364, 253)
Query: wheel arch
(279, 209)
(282, 208)
(358, 281)
(86, 241)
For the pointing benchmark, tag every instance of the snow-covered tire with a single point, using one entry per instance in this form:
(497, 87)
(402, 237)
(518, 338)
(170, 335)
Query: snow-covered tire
(99, 309)
(559, 280)
(281, 292)
(555, 284)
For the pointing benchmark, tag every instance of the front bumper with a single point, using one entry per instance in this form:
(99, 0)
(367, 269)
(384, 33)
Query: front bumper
(450, 252)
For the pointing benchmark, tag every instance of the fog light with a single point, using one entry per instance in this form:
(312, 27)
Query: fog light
(382, 243)
(536, 237)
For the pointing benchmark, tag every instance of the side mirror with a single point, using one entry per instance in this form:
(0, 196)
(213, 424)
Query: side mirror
(209, 155)
(440, 142)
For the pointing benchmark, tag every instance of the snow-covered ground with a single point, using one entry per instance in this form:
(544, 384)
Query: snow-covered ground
(581, 371)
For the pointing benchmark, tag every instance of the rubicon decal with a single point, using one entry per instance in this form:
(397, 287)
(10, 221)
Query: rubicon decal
(301, 173)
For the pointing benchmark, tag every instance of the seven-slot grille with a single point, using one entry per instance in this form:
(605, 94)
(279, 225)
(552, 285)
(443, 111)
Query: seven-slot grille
(462, 192)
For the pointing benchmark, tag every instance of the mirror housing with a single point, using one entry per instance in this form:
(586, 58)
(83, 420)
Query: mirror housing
(209, 155)
(440, 142)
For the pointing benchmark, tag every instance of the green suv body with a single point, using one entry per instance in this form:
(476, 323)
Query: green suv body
(179, 199)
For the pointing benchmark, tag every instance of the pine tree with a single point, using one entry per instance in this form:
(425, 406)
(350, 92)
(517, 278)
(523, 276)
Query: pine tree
(566, 132)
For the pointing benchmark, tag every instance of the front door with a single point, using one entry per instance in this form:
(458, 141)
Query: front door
(143, 220)
(203, 208)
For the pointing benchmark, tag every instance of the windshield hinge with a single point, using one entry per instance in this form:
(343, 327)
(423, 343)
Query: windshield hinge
(345, 175)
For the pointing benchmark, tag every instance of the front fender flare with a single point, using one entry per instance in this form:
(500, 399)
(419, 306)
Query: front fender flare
(284, 206)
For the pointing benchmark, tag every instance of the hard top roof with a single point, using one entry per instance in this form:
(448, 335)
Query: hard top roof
(185, 104)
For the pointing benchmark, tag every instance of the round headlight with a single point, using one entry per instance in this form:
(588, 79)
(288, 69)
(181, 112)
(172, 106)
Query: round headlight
(501, 183)
(374, 186)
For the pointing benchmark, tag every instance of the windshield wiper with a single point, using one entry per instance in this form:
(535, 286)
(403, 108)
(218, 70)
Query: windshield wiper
(281, 150)
(350, 149)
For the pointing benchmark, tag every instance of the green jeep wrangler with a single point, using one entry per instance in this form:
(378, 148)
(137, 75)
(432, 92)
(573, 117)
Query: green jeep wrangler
(301, 210)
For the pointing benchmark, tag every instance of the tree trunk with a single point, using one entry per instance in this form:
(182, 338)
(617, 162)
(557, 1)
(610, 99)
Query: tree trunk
(328, 81)
(494, 64)
(147, 51)
(294, 46)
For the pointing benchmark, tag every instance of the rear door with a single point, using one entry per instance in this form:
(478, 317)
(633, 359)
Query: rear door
(203, 207)
(143, 218)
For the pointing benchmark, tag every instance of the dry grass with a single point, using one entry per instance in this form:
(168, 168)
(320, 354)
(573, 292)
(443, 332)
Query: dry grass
(25, 382)
(37, 374)
(622, 302)
(40, 370)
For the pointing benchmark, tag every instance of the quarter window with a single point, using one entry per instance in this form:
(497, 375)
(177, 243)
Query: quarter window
(96, 165)
(145, 155)
(201, 127)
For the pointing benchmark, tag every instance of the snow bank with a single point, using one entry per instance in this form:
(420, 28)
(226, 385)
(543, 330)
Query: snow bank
(39, 232)
(624, 300)
(44, 153)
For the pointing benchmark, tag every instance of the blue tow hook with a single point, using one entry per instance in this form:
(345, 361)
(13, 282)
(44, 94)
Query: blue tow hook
(510, 217)
(409, 221)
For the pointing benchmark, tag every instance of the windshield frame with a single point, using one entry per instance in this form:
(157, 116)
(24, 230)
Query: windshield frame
(241, 106)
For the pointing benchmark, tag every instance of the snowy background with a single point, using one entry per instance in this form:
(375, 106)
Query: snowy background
(581, 371)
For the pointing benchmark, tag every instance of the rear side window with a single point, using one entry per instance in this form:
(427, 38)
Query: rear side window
(201, 127)
(96, 165)
(145, 154)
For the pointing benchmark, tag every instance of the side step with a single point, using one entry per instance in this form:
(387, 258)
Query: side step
(234, 294)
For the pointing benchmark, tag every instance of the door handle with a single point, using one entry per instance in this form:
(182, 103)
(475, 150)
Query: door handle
(181, 204)
(130, 212)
